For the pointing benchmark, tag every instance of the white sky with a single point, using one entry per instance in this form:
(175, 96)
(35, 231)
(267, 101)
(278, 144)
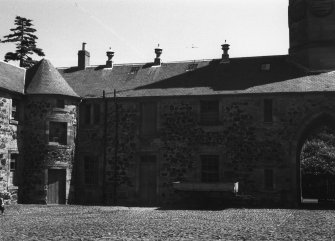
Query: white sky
(133, 28)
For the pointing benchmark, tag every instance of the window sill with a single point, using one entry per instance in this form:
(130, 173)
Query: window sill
(57, 145)
(13, 122)
(60, 110)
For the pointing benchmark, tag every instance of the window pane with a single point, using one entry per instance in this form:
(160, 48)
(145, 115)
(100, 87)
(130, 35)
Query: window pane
(148, 118)
(14, 115)
(58, 132)
(209, 112)
(13, 161)
(210, 168)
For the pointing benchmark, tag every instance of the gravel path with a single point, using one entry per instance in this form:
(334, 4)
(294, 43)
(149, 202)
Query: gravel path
(37, 222)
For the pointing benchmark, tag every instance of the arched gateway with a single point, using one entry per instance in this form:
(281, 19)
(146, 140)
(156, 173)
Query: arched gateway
(309, 125)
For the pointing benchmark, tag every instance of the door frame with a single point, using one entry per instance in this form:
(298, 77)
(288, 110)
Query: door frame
(47, 182)
(138, 174)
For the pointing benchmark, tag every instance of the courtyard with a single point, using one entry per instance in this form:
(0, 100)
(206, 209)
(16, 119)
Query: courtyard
(61, 222)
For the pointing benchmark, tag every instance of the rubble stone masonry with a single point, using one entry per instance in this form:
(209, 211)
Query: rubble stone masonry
(245, 144)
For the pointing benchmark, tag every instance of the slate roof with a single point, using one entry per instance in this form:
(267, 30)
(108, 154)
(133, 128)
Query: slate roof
(43, 78)
(240, 76)
(12, 77)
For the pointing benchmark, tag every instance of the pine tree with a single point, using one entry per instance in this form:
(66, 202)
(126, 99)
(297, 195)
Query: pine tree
(25, 42)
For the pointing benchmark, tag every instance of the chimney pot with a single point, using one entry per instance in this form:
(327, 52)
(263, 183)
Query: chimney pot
(158, 52)
(83, 57)
(225, 55)
(110, 55)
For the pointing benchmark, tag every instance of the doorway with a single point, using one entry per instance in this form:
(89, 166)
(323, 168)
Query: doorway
(317, 162)
(148, 180)
(56, 186)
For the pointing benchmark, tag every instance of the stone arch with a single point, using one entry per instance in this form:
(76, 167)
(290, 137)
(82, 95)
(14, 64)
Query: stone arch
(307, 125)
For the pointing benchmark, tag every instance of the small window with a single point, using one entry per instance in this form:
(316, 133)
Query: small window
(210, 168)
(265, 67)
(148, 118)
(13, 162)
(14, 114)
(268, 179)
(60, 103)
(90, 171)
(268, 115)
(209, 112)
(96, 113)
(58, 132)
(134, 69)
(12, 177)
(191, 67)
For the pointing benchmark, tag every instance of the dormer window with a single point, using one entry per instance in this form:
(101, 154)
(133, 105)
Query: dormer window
(134, 69)
(191, 67)
(265, 67)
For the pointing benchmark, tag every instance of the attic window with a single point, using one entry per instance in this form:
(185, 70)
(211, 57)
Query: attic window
(191, 67)
(265, 67)
(134, 69)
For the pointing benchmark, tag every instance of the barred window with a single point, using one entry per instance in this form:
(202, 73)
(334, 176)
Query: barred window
(90, 171)
(209, 168)
(209, 112)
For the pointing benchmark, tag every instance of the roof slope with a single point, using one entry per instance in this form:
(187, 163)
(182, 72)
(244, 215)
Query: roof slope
(43, 78)
(12, 77)
(240, 76)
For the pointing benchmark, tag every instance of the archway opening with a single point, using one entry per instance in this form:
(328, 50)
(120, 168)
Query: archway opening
(317, 162)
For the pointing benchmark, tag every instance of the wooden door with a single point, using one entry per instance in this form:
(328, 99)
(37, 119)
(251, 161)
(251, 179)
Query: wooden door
(148, 180)
(56, 186)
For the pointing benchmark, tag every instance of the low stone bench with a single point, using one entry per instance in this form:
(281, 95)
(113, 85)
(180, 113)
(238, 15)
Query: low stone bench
(206, 187)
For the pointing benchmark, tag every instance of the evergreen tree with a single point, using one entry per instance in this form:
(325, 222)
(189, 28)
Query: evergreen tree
(23, 36)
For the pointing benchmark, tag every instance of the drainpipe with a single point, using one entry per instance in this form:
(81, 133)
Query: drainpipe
(116, 144)
(105, 149)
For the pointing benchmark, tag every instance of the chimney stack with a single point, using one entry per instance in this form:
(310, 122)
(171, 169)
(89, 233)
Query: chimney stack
(158, 52)
(110, 55)
(225, 55)
(83, 58)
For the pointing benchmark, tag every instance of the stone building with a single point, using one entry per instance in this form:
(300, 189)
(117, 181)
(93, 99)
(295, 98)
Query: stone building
(158, 133)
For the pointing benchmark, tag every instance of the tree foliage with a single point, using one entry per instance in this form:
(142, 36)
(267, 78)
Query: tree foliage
(318, 153)
(25, 39)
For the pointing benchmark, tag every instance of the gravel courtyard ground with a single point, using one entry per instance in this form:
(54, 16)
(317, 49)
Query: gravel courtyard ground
(37, 222)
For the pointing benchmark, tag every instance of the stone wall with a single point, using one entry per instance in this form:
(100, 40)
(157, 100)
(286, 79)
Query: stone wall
(41, 155)
(9, 143)
(245, 144)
